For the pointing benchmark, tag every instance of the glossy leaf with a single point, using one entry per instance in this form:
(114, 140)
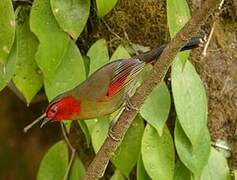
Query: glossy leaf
(144, 74)
(90, 123)
(98, 54)
(100, 133)
(78, 170)
(181, 172)
(156, 108)
(190, 99)
(85, 131)
(216, 168)
(7, 29)
(141, 172)
(158, 153)
(177, 14)
(67, 123)
(54, 164)
(105, 6)
(235, 174)
(128, 152)
(120, 53)
(27, 78)
(86, 64)
(70, 73)
(7, 70)
(53, 40)
(71, 15)
(117, 176)
(193, 157)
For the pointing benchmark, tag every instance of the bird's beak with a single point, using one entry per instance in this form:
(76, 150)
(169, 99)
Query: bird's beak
(43, 116)
(44, 121)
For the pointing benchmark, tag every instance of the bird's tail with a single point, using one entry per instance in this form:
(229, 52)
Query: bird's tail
(154, 54)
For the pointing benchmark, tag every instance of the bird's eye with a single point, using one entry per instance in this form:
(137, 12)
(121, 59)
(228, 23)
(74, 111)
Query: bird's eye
(53, 111)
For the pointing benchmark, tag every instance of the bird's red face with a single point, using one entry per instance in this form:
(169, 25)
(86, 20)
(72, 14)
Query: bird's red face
(64, 108)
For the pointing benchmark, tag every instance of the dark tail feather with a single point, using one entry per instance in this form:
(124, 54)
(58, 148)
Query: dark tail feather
(155, 53)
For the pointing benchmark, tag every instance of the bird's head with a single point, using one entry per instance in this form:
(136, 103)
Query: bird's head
(64, 108)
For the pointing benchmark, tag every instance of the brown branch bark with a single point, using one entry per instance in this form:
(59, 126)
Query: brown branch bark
(97, 167)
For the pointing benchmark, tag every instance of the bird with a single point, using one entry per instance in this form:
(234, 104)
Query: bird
(104, 91)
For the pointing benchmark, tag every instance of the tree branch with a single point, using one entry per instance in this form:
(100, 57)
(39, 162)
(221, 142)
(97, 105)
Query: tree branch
(97, 168)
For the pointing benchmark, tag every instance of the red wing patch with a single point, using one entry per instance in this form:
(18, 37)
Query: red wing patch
(125, 73)
(115, 86)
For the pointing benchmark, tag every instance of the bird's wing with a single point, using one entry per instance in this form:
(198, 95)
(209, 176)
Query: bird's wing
(124, 74)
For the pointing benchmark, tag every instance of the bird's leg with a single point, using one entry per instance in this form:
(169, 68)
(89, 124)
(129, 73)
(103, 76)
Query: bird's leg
(129, 106)
(111, 132)
(73, 151)
(116, 117)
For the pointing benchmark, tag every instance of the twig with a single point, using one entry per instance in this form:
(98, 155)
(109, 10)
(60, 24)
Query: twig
(204, 53)
(66, 175)
(65, 136)
(73, 151)
(221, 4)
(110, 30)
(97, 168)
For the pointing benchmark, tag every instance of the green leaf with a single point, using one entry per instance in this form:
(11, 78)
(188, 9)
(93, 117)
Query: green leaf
(177, 14)
(181, 172)
(54, 164)
(7, 70)
(141, 172)
(100, 133)
(98, 54)
(156, 108)
(120, 53)
(27, 77)
(235, 174)
(7, 29)
(70, 73)
(128, 152)
(144, 74)
(216, 168)
(193, 157)
(90, 123)
(78, 170)
(86, 132)
(71, 15)
(158, 153)
(189, 99)
(53, 40)
(105, 6)
(67, 123)
(117, 176)
(86, 64)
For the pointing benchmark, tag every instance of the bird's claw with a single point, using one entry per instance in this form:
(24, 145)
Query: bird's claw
(111, 134)
(129, 106)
